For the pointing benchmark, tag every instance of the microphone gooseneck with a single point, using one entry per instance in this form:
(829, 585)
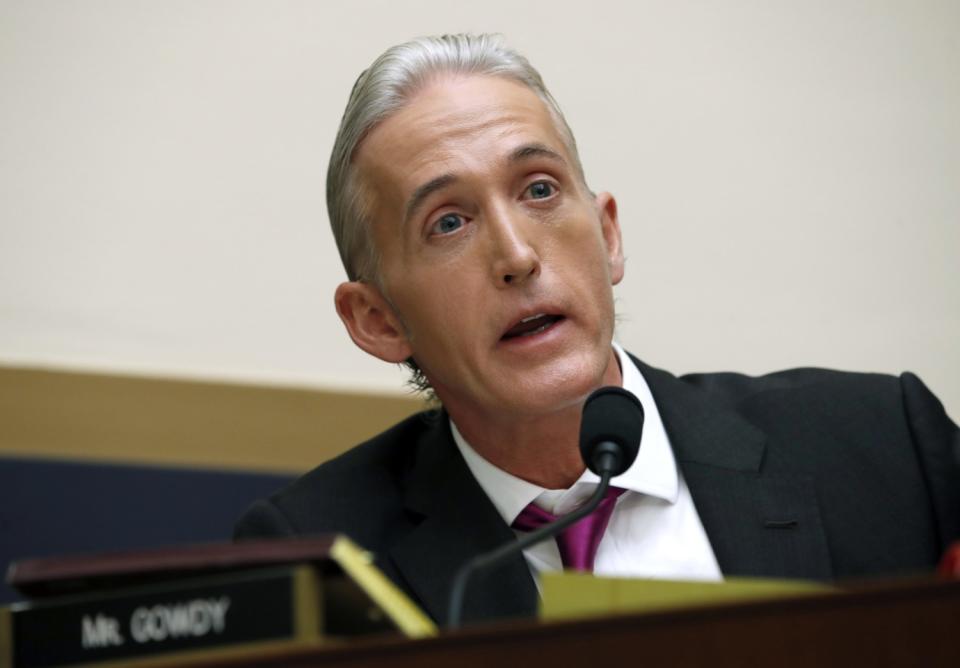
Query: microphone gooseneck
(610, 431)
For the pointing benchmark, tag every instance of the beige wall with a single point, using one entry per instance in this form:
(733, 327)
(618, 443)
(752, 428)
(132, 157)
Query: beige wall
(787, 174)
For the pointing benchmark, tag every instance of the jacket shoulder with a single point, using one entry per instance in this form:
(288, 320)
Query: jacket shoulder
(853, 423)
(799, 381)
(359, 492)
(853, 406)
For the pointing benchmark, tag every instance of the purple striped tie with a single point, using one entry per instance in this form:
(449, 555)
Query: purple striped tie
(578, 543)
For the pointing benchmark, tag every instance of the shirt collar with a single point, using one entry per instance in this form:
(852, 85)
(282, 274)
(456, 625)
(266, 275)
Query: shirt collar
(653, 473)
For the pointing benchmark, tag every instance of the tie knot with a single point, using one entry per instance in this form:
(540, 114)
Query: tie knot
(578, 543)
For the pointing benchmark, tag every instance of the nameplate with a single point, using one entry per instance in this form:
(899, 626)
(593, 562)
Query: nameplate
(194, 601)
(205, 614)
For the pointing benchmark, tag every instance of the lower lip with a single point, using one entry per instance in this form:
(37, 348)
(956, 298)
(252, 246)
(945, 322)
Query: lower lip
(543, 336)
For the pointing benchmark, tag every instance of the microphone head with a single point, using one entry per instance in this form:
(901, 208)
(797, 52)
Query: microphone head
(612, 422)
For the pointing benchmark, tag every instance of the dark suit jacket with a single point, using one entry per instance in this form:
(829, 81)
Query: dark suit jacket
(801, 474)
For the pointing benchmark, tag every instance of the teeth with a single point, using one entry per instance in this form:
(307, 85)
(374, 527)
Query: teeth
(537, 330)
(540, 322)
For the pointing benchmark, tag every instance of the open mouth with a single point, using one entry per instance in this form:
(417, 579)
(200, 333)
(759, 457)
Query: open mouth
(532, 325)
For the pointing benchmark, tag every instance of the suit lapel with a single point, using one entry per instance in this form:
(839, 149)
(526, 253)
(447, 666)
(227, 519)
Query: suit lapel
(458, 522)
(759, 523)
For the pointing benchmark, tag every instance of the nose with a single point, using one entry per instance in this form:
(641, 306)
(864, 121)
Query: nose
(514, 258)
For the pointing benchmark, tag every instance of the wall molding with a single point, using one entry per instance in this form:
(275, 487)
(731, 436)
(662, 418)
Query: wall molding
(164, 421)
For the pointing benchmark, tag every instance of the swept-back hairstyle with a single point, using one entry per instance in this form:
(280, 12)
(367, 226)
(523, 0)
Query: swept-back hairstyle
(381, 90)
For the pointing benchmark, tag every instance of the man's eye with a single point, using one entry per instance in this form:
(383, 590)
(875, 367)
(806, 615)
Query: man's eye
(540, 190)
(448, 223)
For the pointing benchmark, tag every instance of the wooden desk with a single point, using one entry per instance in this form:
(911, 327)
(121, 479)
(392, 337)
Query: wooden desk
(914, 623)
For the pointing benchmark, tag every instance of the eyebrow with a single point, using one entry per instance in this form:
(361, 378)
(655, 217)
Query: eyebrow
(528, 151)
(423, 192)
(519, 154)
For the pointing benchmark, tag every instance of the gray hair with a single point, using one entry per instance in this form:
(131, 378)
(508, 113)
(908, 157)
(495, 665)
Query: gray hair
(381, 90)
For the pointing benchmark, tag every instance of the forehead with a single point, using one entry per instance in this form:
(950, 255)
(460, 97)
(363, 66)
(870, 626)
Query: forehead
(456, 124)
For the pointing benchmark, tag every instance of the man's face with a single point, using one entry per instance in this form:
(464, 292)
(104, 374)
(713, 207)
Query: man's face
(496, 261)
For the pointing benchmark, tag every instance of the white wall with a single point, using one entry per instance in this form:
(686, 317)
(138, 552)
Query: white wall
(788, 176)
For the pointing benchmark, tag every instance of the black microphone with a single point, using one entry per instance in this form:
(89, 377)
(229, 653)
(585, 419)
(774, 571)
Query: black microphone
(610, 431)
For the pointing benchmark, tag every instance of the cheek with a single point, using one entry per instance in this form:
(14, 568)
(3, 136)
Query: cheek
(582, 247)
(433, 312)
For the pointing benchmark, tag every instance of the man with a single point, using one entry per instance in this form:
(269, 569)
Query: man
(477, 254)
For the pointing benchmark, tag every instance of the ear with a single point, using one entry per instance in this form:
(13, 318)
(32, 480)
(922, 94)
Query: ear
(371, 321)
(610, 226)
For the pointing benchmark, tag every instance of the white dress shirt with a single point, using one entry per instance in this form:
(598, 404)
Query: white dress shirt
(655, 531)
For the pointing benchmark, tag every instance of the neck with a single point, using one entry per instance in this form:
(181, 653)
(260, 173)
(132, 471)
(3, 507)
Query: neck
(541, 449)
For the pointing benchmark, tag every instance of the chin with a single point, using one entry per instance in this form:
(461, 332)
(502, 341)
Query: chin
(556, 389)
